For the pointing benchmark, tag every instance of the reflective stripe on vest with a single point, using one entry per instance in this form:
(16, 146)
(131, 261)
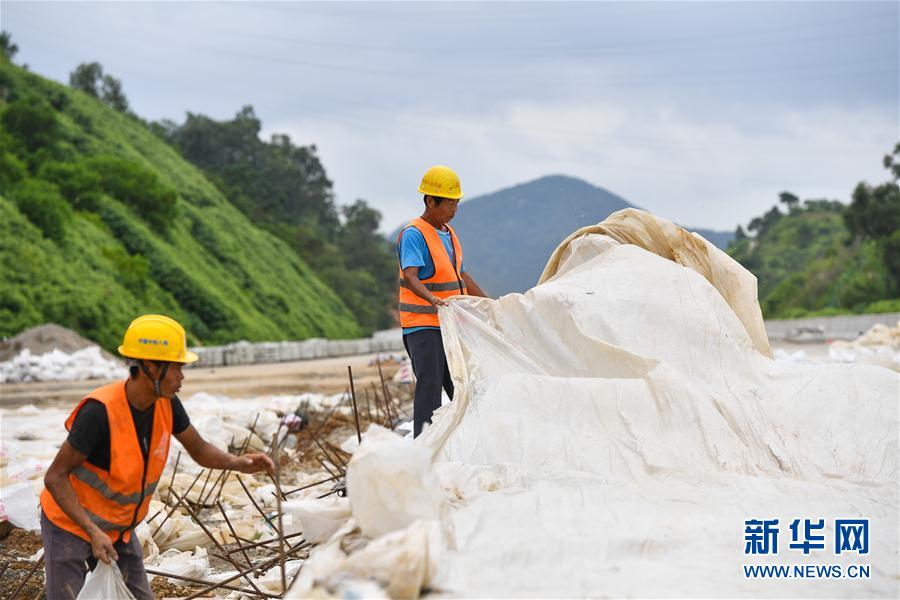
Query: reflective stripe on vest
(444, 283)
(117, 500)
(450, 286)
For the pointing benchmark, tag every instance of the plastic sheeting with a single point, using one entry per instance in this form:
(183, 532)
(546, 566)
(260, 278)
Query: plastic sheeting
(613, 430)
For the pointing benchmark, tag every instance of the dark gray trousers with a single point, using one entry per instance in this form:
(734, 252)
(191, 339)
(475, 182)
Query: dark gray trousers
(67, 558)
(426, 352)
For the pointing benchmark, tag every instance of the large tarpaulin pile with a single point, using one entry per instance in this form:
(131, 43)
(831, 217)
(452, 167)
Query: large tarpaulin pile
(615, 430)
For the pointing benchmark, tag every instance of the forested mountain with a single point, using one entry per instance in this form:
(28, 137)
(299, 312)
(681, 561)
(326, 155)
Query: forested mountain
(284, 189)
(100, 221)
(824, 257)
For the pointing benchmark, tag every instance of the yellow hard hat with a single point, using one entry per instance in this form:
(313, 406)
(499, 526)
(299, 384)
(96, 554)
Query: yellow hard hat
(156, 337)
(442, 182)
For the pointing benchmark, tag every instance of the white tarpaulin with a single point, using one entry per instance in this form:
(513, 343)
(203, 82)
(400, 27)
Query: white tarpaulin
(613, 431)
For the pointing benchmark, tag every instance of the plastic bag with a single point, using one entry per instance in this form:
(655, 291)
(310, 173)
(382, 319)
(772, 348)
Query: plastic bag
(18, 505)
(105, 583)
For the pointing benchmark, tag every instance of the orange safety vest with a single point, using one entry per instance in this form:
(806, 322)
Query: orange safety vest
(118, 499)
(446, 281)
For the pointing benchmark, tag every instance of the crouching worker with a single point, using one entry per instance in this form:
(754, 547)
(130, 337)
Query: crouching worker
(98, 488)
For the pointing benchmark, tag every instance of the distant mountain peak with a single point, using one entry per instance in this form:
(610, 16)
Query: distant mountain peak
(508, 235)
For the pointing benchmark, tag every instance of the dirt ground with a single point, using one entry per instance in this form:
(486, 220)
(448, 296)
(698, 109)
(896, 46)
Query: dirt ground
(326, 376)
(15, 566)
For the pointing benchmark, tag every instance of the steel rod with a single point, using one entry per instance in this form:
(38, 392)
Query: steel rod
(353, 403)
(234, 533)
(213, 539)
(265, 565)
(224, 586)
(172, 481)
(280, 518)
(250, 545)
(309, 485)
(253, 500)
(31, 572)
(174, 508)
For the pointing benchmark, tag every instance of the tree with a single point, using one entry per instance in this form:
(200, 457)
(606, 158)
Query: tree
(890, 248)
(89, 78)
(85, 77)
(892, 162)
(32, 122)
(789, 200)
(7, 49)
(756, 225)
(112, 95)
(42, 204)
(874, 212)
(739, 234)
(283, 187)
(770, 218)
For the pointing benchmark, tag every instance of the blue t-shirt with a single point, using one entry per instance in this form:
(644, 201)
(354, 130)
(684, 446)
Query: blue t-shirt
(414, 253)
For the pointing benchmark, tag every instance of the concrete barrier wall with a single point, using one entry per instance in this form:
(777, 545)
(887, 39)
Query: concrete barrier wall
(841, 327)
(247, 353)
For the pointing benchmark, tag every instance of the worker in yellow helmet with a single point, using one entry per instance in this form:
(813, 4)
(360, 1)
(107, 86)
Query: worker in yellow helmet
(431, 271)
(98, 488)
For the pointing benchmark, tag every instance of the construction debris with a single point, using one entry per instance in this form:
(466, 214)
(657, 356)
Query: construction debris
(215, 532)
(56, 365)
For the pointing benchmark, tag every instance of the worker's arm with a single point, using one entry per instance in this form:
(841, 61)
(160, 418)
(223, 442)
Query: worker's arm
(471, 286)
(208, 456)
(59, 486)
(411, 274)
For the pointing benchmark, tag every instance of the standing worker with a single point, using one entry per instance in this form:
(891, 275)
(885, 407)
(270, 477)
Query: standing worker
(98, 488)
(431, 270)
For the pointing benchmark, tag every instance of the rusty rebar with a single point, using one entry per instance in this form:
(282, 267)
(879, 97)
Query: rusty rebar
(309, 485)
(265, 565)
(233, 533)
(280, 517)
(204, 582)
(315, 434)
(253, 500)
(250, 545)
(213, 539)
(387, 407)
(223, 476)
(325, 466)
(353, 403)
(271, 451)
(37, 565)
(200, 495)
(172, 481)
(174, 508)
(387, 396)
(368, 407)
(339, 464)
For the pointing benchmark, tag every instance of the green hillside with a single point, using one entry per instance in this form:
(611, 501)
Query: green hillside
(823, 257)
(100, 221)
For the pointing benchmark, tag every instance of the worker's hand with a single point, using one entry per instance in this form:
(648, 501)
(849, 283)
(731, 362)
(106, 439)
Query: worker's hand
(253, 463)
(102, 547)
(435, 301)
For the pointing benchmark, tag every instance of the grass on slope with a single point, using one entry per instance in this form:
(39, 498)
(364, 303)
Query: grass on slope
(210, 267)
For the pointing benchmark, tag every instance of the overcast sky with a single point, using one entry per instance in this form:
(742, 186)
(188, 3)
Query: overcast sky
(700, 112)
